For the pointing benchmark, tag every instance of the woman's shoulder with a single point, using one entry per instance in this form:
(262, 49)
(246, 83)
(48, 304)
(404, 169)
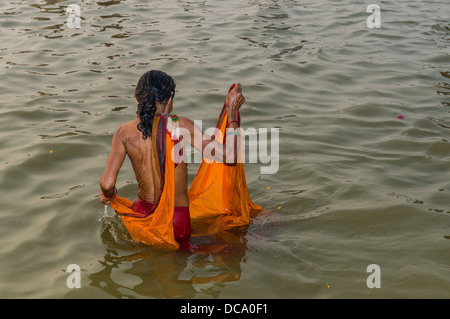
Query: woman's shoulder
(184, 121)
(128, 128)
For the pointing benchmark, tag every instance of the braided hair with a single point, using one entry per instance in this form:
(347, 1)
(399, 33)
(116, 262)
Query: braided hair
(153, 86)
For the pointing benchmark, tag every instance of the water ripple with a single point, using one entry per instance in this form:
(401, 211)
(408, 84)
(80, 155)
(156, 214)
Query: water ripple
(364, 142)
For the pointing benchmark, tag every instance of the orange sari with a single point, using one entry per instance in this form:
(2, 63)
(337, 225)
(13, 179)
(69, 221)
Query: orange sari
(218, 195)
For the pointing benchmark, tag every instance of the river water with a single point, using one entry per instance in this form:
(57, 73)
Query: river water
(364, 145)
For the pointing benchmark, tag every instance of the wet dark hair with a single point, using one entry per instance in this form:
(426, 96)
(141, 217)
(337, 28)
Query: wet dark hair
(153, 86)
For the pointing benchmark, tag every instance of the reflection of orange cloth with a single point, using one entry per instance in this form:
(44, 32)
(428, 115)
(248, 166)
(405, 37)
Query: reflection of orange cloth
(218, 194)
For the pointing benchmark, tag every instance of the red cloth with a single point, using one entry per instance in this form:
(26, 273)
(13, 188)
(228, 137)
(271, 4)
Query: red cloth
(181, 218)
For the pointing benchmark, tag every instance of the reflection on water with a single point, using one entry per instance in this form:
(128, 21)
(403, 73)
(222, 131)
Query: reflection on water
(167, 274)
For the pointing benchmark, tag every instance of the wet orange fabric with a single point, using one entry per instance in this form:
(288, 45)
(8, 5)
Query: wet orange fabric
(218, 200)
(218, 195)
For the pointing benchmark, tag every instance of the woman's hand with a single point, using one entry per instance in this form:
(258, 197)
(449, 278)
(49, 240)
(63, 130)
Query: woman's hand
(104, 199)
(234, 99)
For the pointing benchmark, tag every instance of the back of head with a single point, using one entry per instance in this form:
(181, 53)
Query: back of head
(153, 87)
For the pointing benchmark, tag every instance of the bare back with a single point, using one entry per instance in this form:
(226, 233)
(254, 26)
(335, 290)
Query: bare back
(140, 153)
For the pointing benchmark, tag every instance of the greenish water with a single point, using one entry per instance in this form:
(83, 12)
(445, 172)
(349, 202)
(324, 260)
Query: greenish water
(356, 185)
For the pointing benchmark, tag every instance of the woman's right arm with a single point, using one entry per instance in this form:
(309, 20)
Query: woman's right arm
(228, 151)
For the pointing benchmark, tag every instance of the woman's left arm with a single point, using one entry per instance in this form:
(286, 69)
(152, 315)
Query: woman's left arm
(113, 165)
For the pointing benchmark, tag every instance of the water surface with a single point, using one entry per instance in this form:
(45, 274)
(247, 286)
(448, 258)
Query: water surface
(364, 145)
